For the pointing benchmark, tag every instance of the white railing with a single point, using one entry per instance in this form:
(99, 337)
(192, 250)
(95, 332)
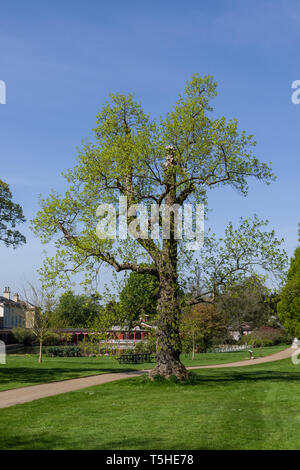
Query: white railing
(230, 348)
(121, 341)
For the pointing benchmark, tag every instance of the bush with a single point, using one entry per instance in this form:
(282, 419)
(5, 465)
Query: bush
(257, 342)
(52, 339)
(24, 336)
(266, 336)
(125, 352)
(66, 338)
(95, 346)
(28, 338)
(63, 351)
(146, 346)
(267, 342)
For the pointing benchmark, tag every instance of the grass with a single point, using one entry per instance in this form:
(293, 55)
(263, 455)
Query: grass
(254, 407)
(21, 371)
(222, 358)
(24, 370)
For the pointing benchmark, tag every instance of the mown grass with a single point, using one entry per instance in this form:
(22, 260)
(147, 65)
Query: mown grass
(24, 370)
(251, 407)
(222, 358)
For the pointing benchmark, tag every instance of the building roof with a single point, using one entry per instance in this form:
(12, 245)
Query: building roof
(4, 300)
(20, 303)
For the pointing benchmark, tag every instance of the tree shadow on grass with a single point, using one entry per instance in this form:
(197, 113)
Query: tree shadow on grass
(249, 376)
(31, 376)
(22, 376)
(202, 378)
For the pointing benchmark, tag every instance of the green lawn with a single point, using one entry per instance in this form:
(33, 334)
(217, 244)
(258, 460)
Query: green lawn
(24, 370)
(222, 358)
(21, 371)
(254, 407)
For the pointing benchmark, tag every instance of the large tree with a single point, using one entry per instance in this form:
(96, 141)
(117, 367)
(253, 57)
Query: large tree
(74, 310)
(289, 306)
(139, 296)
(173, 161)
(11, 214)
(246, 302)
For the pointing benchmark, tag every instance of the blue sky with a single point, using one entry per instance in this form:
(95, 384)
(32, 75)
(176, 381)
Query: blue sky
(60, 60)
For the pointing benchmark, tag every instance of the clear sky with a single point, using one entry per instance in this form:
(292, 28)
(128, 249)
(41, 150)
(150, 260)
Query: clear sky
(61, 59)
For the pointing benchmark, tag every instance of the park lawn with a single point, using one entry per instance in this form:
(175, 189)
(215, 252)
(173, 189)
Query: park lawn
(24, 370)
(251, 407)
(222, 358)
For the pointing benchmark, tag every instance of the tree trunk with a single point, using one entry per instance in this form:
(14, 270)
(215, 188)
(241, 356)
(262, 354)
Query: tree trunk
(168, 340)
(168, 345)
(193, 355)
(41, 352)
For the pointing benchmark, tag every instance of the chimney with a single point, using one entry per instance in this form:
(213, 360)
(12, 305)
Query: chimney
(6, 293)
(16, 297)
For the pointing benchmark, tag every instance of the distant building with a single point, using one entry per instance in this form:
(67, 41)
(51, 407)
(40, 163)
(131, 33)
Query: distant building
(245, 330)
(14, 313)
(117, 336)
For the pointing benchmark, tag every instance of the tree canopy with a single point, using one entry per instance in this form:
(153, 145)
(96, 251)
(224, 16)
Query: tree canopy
(139, 296)
(11, 214)
(289, 306)
(201, 325)
(74, 310)
(245, 303)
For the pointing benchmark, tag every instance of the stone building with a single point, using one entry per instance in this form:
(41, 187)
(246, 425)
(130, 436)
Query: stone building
(15, 312)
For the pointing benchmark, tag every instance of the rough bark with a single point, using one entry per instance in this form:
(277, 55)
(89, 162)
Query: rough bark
(168, 338)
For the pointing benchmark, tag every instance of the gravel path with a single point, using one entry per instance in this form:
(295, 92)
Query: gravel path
(34, 392)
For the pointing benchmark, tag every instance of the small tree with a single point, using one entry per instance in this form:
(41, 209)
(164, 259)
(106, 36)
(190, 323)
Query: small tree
(202, 324)
(43, 302)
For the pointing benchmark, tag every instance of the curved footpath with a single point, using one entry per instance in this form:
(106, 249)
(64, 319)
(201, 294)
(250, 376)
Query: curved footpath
(34, 392)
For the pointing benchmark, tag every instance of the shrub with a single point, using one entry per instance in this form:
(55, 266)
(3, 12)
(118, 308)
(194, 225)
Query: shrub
(146, 346)
(24, 336)
(125, 352)
(52, 339)
(63, 351)
(94, 348)
(266, 336)
(267, 342)
(66, 337)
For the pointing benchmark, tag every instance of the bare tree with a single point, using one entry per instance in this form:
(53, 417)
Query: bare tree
(43, 302)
